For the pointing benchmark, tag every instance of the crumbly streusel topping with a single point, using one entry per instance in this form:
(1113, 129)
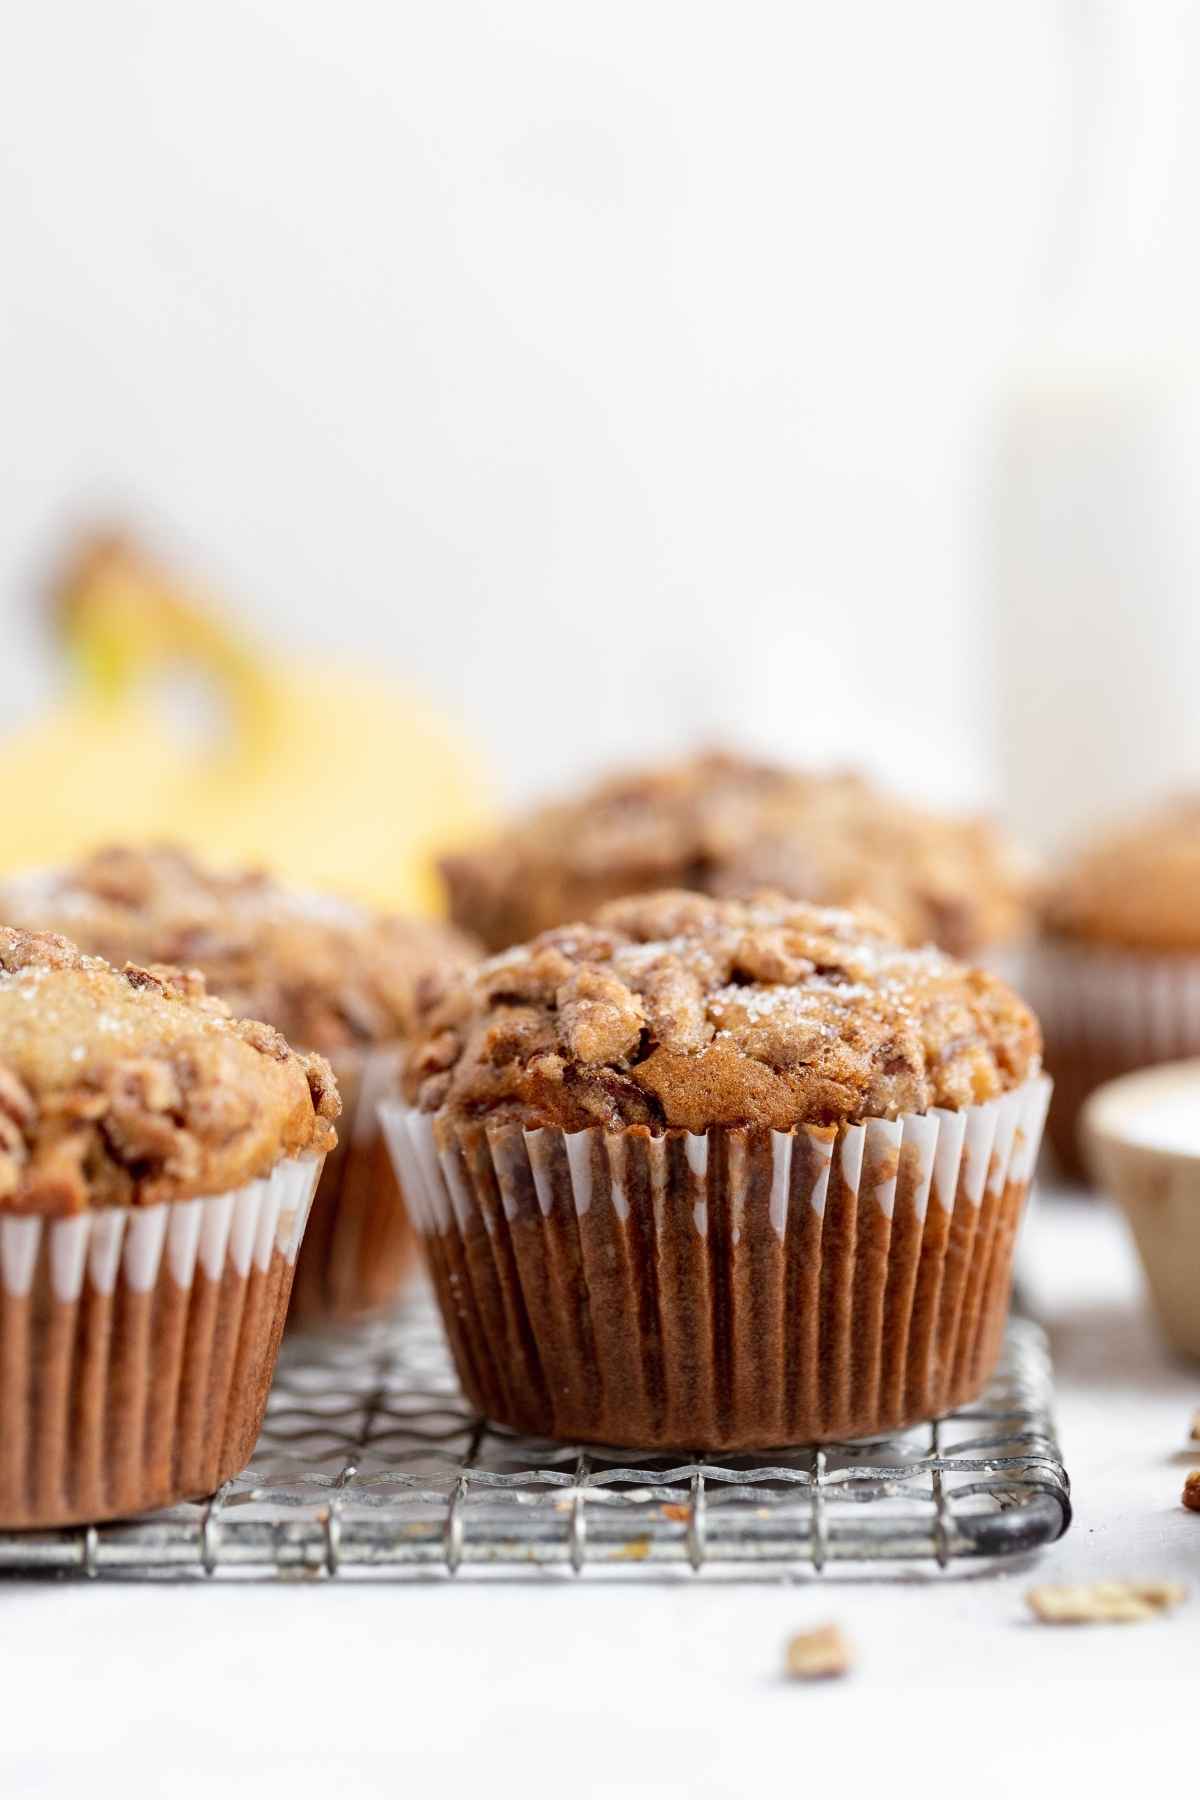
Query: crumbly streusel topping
(327, 974)
(1138, 886)
(678, 1010)
(721, 824)
(127, 1087)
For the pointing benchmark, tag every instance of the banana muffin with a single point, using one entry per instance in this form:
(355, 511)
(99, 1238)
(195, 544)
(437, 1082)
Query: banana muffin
(714, 1174)
(725, 825)
(1116, 974)
(331, 977)
(157, 1160)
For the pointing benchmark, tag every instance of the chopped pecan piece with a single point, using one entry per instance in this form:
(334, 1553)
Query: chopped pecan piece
(600, 1019)
(16, 1102)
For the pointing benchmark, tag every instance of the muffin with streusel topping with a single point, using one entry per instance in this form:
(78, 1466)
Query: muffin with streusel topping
(716, 1174)
(157, 1161)
(330, 976)
(723, 824)
(1116, 974)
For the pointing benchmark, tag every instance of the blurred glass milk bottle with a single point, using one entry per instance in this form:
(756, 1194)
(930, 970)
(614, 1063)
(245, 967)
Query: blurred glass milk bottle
(1094, 539)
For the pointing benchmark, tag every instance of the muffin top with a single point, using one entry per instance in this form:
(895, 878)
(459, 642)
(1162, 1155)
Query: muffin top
(676, 1010)
(1136, 888)
(327, 974)
(124, 1087)
(724, 825)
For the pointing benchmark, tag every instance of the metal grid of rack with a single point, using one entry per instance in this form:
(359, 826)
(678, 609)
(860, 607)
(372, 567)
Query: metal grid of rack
(371, 1463)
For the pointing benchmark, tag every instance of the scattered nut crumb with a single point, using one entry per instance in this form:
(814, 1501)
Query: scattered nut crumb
(1104, 1602)
(1191, 1491)
(817, 1655)
(1194, 1434)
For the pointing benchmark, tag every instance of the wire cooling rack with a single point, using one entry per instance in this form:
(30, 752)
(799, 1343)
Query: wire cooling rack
(372, 1464)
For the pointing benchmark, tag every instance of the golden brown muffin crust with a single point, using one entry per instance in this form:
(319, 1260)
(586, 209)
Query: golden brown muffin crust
(1137, 887)
(726, 825)
(129, 1087)
(677, 1010)
(327, 974)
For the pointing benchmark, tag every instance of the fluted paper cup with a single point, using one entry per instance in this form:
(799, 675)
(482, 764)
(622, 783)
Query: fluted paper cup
(1104, 1013)
(137, 1345)
(359, 1250)
(733, 1290)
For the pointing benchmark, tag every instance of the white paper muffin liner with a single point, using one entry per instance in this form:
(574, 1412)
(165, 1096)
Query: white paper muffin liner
(1105, 1012)
(137, 1346)
(736, 1289)
(360, 1249)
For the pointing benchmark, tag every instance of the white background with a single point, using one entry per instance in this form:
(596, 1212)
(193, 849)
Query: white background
(624, 374)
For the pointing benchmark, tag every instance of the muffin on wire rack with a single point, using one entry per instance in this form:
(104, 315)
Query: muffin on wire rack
(332, 977)
(723, 824)
(717, 1175)
(1116, 975)
(157, 1161)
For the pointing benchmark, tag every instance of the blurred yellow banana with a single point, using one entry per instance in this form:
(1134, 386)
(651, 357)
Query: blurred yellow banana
(330, 776)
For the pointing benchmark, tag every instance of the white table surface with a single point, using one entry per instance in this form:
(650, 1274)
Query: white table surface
(584, 1688)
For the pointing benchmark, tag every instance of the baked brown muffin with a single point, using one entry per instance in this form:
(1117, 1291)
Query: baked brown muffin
(157, 1160)
(1116, 974)
(717, 1174)
(328, 975)
(1135, 888)
(725, 825)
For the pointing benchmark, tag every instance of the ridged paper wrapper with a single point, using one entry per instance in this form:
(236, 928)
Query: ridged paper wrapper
(1105, 1012)
(732, 1290)
(360, 1249)
(137, 1345)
